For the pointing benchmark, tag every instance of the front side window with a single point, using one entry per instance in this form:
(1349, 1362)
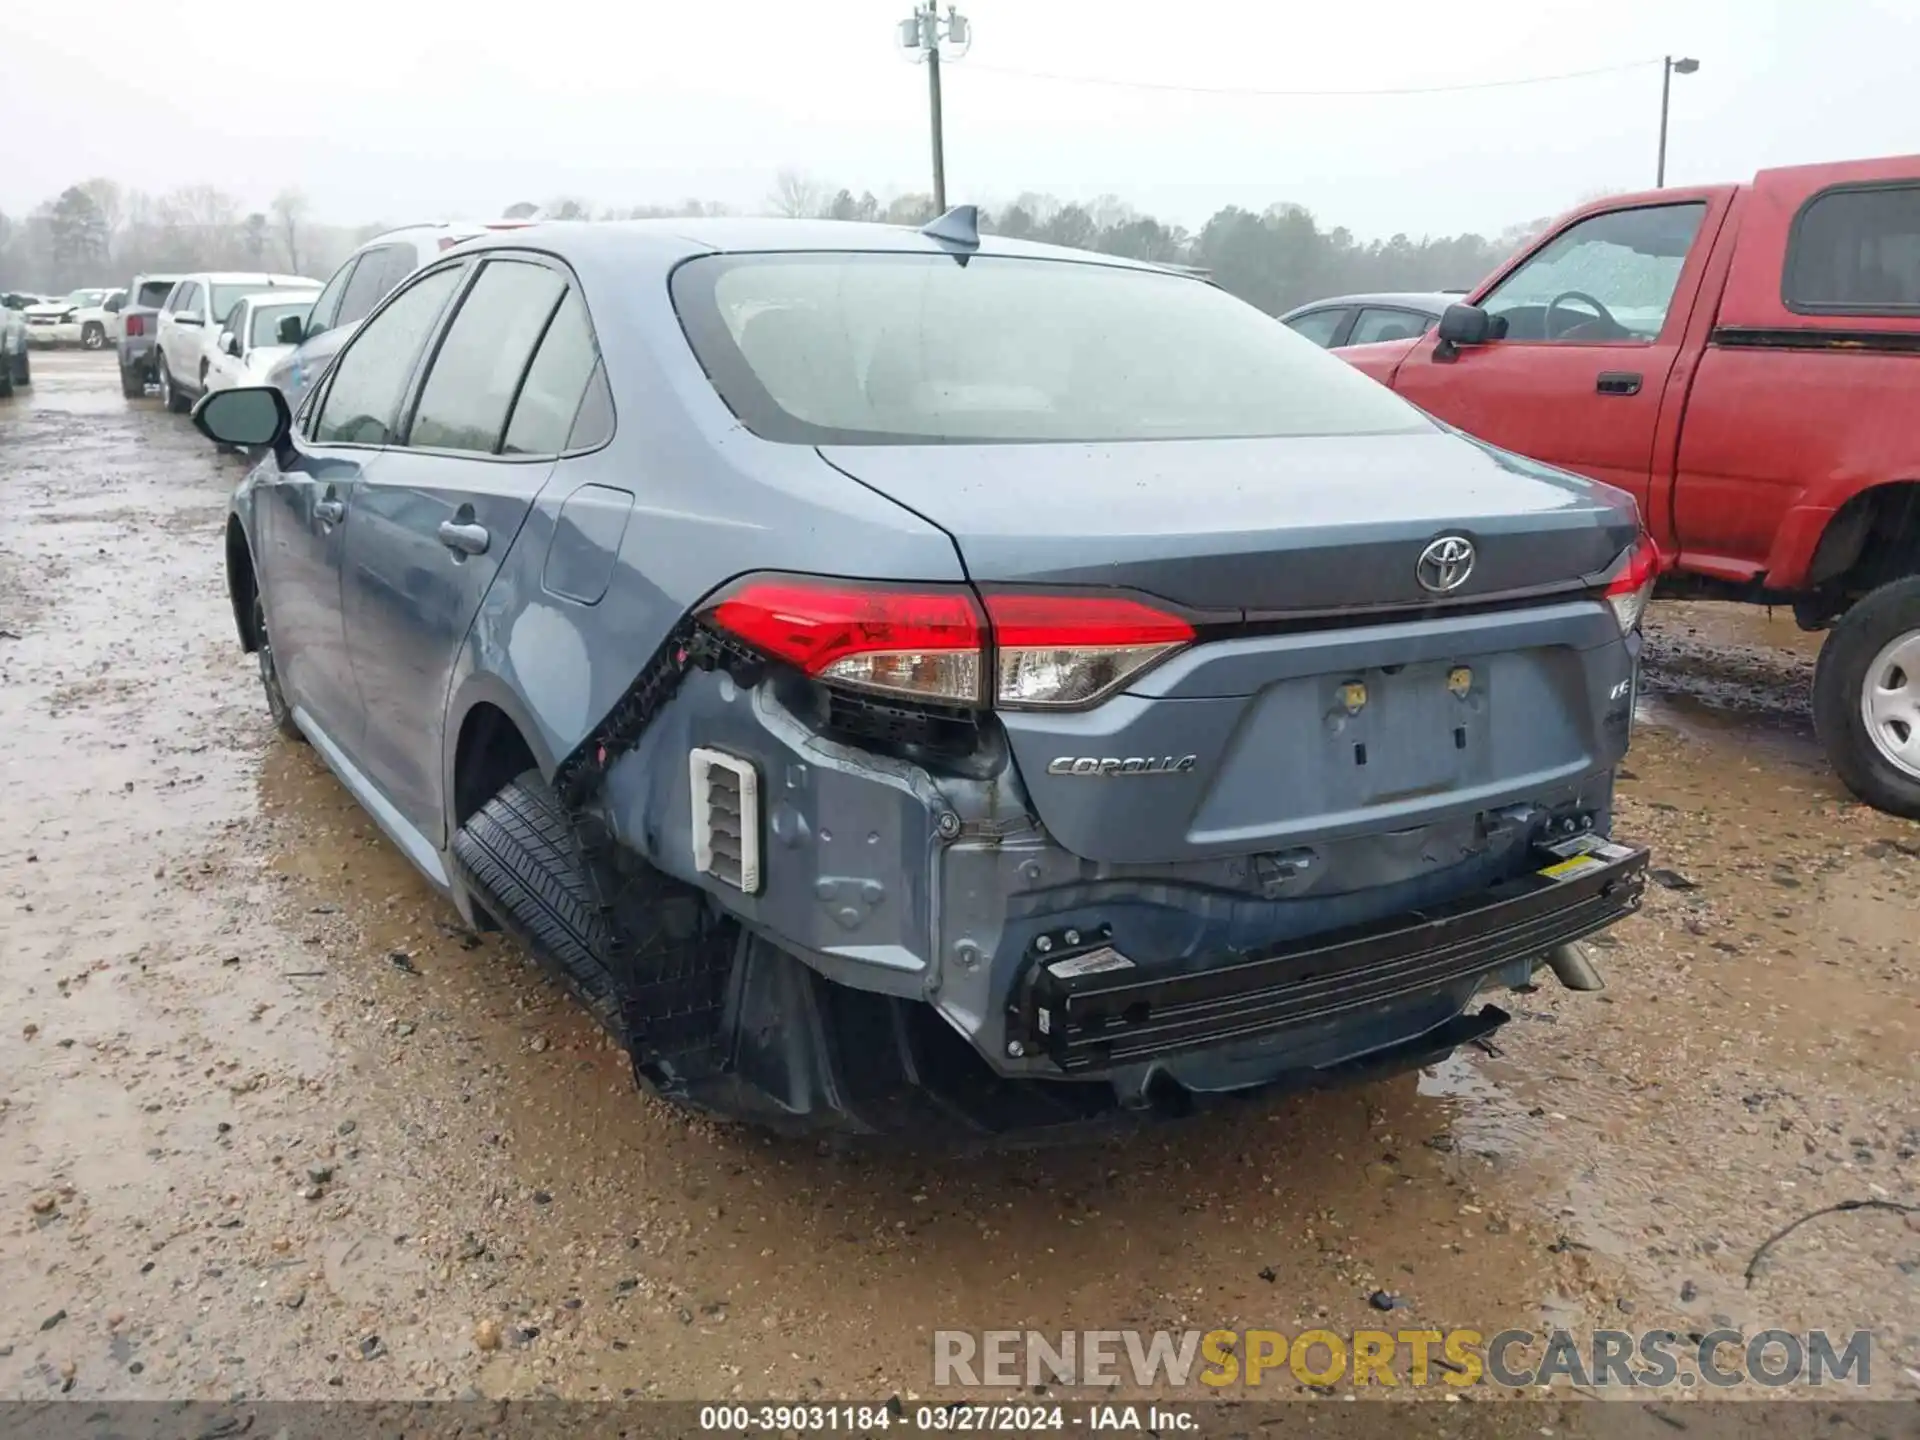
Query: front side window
(362, 403)
(1856, 252)
(904, 349)
(1320, 326)
(264, 326)
(1609, 277)
(543, 416)
(464, 403)
(1375, 326)
(225, 297)
(321, 319)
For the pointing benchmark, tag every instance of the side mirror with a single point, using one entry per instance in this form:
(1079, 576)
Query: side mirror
(250, 417)
(1465, 325)
(230, 343)
(293, 329)
(115, 304)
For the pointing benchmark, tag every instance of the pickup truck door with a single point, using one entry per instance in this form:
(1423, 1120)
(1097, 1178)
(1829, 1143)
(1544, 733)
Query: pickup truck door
(1594, 318)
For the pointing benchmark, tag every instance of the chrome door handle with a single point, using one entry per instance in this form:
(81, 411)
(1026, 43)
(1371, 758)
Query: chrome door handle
(464, 539)
(330, 512)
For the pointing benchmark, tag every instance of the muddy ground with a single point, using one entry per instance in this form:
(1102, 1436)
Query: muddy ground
(272, 1125)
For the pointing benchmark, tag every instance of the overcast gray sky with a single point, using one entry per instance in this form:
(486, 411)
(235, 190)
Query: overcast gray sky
(397, 109)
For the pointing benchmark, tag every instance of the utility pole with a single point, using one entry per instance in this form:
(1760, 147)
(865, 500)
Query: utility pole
(1683, 66)
(921, 36)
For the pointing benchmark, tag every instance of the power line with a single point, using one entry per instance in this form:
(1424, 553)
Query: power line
(1315, 94)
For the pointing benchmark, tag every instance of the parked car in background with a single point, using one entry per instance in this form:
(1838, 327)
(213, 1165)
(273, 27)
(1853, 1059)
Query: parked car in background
(138, 318)
(80, 317)
(15, 367)
(249, 343)
(190, 323)
(1744, 360)
(1032, 691)
(1365, 319)
(367, 277)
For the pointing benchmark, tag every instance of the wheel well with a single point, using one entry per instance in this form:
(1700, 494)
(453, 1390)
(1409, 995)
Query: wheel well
(491, 751)
(1873, 538)
(241, 586)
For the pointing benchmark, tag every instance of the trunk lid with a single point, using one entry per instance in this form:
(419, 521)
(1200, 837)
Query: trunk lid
(1311, 524)
(1269, 741)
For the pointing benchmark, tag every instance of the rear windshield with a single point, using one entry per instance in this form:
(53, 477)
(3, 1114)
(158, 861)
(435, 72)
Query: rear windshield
(882, 349)
(153, 293)
(267, 318)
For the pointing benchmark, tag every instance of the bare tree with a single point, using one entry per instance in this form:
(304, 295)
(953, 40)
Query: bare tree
(289, 214)
(797, 195)
(568, 208)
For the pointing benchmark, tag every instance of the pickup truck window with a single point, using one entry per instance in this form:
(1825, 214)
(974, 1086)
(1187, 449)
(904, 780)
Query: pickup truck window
(1609, 277)
(1855, 250)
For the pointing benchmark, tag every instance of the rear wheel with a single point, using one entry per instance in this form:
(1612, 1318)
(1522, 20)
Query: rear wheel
(6, 380)
(93, 336)
(1866, 698)
(22, 369)
(520, 856)
(277, 706)
(133, 383)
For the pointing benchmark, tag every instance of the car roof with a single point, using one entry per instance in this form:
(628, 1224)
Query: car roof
(251, 277)
(667, 241)
(1431, 302)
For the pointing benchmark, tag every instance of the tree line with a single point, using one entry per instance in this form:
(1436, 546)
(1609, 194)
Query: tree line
(100, 233)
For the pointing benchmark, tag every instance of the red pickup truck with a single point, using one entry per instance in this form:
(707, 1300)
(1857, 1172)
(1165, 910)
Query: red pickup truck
(1745, 360)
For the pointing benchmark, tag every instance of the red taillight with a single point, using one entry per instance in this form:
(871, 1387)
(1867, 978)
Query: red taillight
(1629, 590)
(1055, 649)
(136, 325)
(932, 642)
(914, 641)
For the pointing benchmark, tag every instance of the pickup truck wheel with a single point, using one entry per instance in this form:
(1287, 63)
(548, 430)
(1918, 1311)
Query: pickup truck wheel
(133, 383)
(1866, 698)
(93, 336)
(22, 369)
(270, 676)
(6, 381)
(519, 856)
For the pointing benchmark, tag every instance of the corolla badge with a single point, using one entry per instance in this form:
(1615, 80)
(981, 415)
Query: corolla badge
(1445, 564)
(1104, 765)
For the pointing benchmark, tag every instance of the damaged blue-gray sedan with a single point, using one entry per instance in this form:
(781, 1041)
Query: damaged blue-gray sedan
(902, 677)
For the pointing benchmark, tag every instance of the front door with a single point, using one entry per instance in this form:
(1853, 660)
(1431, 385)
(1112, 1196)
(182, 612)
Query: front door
(1591, 335)
(428, 532)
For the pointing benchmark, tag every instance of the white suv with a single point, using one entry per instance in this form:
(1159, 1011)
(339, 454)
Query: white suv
(190, 323)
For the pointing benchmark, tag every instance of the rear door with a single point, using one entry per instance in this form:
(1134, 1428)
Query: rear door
(432, 522)
(312, 495)
(1592, 331)
(180, 326)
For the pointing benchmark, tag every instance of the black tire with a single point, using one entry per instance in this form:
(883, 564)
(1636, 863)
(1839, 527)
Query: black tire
(93, 336)
(6, 381)
(133, 384)
(170, 395)
(1839, 690)
(519, 855)
(277, 706)
(22, 369)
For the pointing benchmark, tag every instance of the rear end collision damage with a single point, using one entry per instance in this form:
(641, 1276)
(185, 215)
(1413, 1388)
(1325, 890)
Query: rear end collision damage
(893, 935)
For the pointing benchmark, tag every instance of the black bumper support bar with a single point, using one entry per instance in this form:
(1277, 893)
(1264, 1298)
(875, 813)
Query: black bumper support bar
(1114, 1016)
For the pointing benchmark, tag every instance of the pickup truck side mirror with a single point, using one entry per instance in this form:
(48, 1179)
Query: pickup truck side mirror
(230, 343)
(115, 304)
(292, 330)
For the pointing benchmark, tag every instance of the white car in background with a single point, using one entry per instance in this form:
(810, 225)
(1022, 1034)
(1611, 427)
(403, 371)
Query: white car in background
(84, 317)
(249, 343)
(189, 326)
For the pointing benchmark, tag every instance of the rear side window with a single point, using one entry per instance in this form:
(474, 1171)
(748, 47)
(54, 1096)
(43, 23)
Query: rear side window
(1375, 326)
(906, 349)
(186, 299)
(369, 380)
(1855, 251)
(374, 278)
(464, 404)
(543, 416)
(1319, 326)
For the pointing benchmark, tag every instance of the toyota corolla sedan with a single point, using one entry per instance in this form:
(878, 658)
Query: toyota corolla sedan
(905, 676)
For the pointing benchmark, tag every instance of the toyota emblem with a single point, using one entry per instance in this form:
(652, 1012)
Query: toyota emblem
(1445, 564)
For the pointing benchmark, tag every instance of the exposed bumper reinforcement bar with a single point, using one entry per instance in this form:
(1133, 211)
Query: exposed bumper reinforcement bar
(1101, 1017)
